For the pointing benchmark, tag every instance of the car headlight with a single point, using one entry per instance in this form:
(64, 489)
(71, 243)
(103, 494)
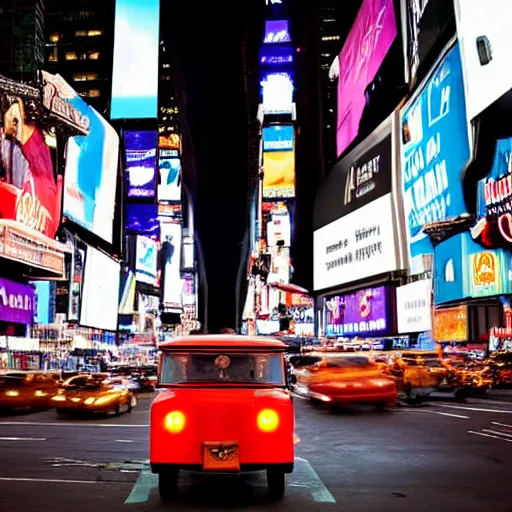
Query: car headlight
(59, 398)
(12, 393)
(380, 382)
(268, 420)
(103, 400)
(175, 422)
(40, 393)
(89, 401)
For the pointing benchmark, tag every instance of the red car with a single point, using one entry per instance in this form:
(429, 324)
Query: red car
(224, 407)
(343, 379)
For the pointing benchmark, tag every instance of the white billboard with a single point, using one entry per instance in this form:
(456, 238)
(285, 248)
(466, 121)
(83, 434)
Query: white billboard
(359, 245)
(414, 307)
(170, 234)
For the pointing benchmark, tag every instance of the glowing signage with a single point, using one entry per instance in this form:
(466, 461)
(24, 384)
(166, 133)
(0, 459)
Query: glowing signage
(135, 66)
(277, 93)
(278, 138)
(276, 31)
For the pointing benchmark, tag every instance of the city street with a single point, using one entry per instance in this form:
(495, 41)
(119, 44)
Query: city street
(439, 456)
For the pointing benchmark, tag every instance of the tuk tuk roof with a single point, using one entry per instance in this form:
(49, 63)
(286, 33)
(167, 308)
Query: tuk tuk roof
(229, 341)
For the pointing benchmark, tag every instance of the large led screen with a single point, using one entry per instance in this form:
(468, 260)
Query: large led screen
(277, 93)
(142, 219)
(170, 262)
(100, 299)
(367, 44)
(279, 174)
(485, 40)
(169, 183)
(276, 55)
(90, 179)
(140, 148)
(434, 151)
(277, 31)
(135, 67)
(146, 260)
(278, 138)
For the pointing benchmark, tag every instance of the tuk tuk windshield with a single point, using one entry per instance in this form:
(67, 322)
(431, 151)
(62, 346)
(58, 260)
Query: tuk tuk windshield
(228, 367)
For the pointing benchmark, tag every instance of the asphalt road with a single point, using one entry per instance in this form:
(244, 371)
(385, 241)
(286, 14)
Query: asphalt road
(440, 456)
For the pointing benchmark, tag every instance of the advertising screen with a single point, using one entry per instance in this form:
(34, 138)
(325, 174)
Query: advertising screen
(170, 262)
(414, 307)
(464, 269)
(450, 324)
(279, 229)
(359, 245)
(42, 302)
(279, 174)
(169, 183)
(100, 298)
(276, 55)
(360, 177)
(361, 313)
(142, 219)
(277, 31)
(29, 191)
(278, 138)
(16, 302)
(135, 66)
(367, 44)
(485, 41)
(76, 282)
(277, 92)
(146, 260)
(434, 150)
(171, 141)
(140, 148)
(424, 23)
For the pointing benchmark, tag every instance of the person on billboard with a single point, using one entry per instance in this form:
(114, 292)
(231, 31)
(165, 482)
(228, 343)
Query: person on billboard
(28, 189)
(166, 254)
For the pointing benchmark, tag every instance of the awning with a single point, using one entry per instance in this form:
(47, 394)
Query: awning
(289, 288)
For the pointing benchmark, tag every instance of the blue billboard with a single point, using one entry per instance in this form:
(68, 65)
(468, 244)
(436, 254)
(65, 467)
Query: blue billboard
(278, 138)
(135, 66)
(90, 178)
(141, 162)
(434, 151)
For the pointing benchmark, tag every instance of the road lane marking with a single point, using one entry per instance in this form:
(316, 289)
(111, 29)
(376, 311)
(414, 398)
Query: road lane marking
(501, 424)
(55, 481)
(489, 435)
(77, 424)
(124, 440)
(315, 485)
(496, 432)
(142, 488)
(22, 438)
(478, 409)
(448, 414)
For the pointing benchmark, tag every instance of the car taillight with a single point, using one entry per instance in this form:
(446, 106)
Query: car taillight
(268, 420)
(175, 422)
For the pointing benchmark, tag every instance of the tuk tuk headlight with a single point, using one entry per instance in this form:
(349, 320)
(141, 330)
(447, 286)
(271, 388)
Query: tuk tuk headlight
(268, 420)
(175, 422)
(12, 393)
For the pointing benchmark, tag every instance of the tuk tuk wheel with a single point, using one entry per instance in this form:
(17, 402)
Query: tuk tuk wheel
(168, 484)
(276, 482)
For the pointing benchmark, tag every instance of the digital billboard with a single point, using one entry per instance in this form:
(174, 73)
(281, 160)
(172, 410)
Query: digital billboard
(135, 65)
(141, 162)
(169, 183)
(29, 191)
(146, 260)
(365, 48)
(170, 263)
(16, 302)
(42, 308)
(142, 219)
(279, 174)
(278, 138)
(277, 31)
(276, 55)
(434, 151)
(277, 93)
(171, 141)
(365, 312)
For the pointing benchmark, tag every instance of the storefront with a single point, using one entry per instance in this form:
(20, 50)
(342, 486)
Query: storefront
(358, 248)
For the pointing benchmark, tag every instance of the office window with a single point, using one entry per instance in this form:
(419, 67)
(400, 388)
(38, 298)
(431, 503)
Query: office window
(53, 56)
(80, 33)
(94, 33)
(94, 93)
(94, 55)
(85, 77)
(70, 56)
(55, 37)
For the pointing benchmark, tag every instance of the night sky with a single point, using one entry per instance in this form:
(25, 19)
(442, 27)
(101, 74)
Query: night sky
(208, 45)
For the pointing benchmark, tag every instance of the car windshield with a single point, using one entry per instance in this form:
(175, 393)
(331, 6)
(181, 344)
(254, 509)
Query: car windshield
(180, 368)
(87, 382)
(11, 382)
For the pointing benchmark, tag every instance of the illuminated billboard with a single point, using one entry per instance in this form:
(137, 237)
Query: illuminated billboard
(277, 92)
(277, 31)
(170, 262)
(140, 148)
(279, 174)
(146, 260)
(276, 55)
(278, 138)
(169, 184)
(135, 66)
